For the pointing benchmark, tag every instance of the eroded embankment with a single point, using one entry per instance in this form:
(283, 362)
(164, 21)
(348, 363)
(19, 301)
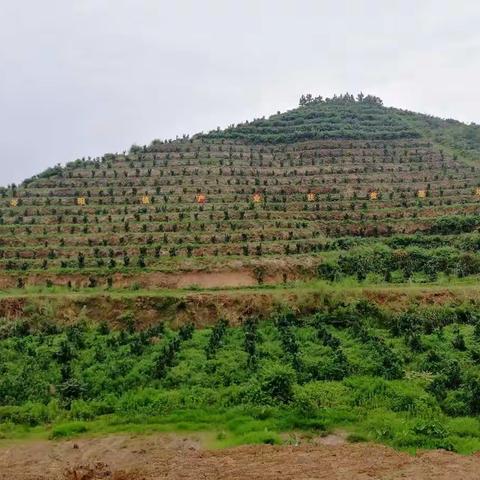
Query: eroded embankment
(176, 307)
(230, 273)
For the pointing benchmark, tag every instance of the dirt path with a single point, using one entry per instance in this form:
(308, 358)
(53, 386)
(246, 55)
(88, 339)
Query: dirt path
(122, 457)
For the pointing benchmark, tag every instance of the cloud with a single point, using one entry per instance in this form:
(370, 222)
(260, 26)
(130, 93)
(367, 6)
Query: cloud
(85, 77)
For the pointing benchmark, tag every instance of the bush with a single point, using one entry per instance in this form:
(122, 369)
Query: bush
(329, 271)
(454, 224)
(31, 414)
(68, 430)
(277, 382)
(312, 396)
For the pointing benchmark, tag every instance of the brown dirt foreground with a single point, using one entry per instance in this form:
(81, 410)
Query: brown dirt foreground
(123, 457)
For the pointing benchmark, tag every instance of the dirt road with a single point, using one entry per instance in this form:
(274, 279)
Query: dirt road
(123, 457)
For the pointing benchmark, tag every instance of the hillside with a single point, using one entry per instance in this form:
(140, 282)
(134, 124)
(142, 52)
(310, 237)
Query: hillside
(289, 280)
(315, 191)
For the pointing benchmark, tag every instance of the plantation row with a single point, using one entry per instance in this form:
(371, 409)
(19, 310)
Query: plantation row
(376, 262)
(225, 219)
(443, 228)
(203, 234)
(393, 157)
(261, 195)
(258, 205)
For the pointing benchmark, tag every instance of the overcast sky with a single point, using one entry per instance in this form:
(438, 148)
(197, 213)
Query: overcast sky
(85, 77)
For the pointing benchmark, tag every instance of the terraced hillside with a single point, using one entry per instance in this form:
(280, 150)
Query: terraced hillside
(309, 276)
(266, 201)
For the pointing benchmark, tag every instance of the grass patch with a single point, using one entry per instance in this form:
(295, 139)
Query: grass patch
(70, 429)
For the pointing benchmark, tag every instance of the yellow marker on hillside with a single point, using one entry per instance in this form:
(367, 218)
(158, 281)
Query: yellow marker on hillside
(373, 195)
(81, 201)
(13, 202)
(311, 196)
(145, 199)
(477, 191)
(201, 198)
(421, 194)
(257, 198)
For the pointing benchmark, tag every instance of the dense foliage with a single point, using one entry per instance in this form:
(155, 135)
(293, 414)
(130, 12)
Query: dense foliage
(401, 264)
(338, 117)
(415, 373)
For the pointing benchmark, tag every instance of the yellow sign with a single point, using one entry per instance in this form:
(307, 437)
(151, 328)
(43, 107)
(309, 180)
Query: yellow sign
(145, 199)
(81, 201)
(311, 196)
(257, 198)
(477, 191)
(201, 198)
(373, 195)
(421, 194)
(13, 202)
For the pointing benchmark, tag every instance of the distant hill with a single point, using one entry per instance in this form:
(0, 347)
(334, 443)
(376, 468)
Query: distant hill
(269, 200)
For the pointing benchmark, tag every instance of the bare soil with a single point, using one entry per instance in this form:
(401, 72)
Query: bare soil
(126, 457)
(241, 278)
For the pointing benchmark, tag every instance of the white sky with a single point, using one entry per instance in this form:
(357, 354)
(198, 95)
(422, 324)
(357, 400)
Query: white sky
(85, 77)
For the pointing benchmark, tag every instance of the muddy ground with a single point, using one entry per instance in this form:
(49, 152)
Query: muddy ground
(161, 456)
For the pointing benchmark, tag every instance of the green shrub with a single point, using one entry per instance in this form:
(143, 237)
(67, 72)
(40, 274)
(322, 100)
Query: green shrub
(312, 396)
(277, 382)
(68, 429)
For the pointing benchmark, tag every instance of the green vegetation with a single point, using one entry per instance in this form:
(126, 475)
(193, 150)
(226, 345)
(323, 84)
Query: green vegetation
(410, 380)
(339, 117)
(312, 210)
(400, 264)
